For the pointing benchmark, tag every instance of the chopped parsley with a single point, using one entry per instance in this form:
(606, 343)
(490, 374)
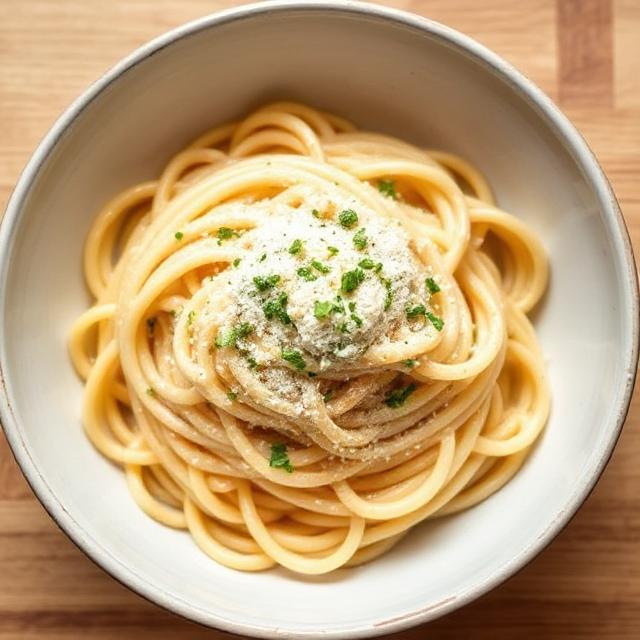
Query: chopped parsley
(318, 266)
(352, 306)
(263, 283)
(348, 218)
(415, 311)
(327, 396)
(230, 338)
(322, 309)
(410, 363)
(277, 309)
(388, 188)
(232, 396)
(225, 233)
(357, 320)
(253, 363)
(244, 329)
(296, 247)
(360, 239)
(343, 327)
(338, 306)
(333, 250)
(294, 357)
(399, 396)
(388, 299)
(263, 257)
(306, 274)
(315, 213)
(368, 263)
(236, 262)
(280, 458)
(191, 317)
(151, 392)
(432, 285)
(178, 235)
(438, 323)
(227, 339)
(351, 280)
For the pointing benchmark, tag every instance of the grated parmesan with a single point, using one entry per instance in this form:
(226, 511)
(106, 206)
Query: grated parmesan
(294, 241)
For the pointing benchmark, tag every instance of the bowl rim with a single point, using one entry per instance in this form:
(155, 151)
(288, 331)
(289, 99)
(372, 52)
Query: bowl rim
(549, 114)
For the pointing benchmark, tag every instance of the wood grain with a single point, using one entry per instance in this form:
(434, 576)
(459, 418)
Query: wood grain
(586, 55)
(585, 52)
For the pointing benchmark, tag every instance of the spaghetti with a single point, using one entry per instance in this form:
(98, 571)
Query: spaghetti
(306, 339)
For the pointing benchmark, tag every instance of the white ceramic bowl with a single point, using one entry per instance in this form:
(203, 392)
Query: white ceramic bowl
(388, 71)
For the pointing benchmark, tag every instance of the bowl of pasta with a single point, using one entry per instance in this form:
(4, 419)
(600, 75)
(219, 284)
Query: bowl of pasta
(309, 338)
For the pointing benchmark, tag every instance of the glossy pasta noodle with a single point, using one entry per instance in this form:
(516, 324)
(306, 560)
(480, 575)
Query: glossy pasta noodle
(312, 437)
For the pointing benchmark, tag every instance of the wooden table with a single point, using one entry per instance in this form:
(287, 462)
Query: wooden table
(586, 56)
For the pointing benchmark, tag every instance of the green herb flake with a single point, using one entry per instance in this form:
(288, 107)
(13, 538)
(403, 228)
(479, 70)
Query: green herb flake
(415, 311)
(280, 458)
(388, 188)
(232, 396)
(348, 218)
(351, 280)
(306, 274)
(367, 263)
(357, 320)
(263, 283)
(315, 213)
(296, 247)
(343, 327)
(333, 250)
(388, 299)
(253, 363)
(230, 338)
(327, 396)
(244, 329)
(318, 266)
(294, 357)
(360, 240)
(151, 392)
(263, 257)
(178, 235)
(438, 323)
(352, 306)
(322, 309)
(399, 396)
(410, 363)
(277, 309)
(338, 306)
(225, 233)
(236, 262)
(225, 339)
(432, 285)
